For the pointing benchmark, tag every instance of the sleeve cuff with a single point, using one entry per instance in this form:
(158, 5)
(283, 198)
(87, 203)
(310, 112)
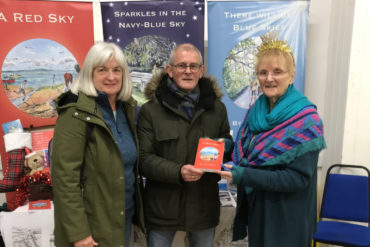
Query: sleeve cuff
(237, 172)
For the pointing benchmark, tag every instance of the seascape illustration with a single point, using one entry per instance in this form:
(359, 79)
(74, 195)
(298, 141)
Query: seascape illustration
(209, 153)
(34, 73)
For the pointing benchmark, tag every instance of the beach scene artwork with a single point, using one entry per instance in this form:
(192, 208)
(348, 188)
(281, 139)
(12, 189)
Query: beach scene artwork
(209, 154)
(34, 73)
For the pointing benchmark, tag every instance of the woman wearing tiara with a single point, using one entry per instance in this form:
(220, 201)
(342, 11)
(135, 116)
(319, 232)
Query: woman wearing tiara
(276, 153)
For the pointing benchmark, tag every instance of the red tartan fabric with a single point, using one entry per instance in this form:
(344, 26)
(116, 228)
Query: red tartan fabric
(14, 171)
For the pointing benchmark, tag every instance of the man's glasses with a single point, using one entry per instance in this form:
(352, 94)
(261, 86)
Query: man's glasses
(181, 67)
(263, 74)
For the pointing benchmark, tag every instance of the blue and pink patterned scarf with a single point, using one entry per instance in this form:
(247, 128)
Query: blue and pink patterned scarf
(291, 129)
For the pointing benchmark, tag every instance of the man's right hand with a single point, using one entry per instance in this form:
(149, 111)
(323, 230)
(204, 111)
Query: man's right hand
(86, 242)
(191, 174)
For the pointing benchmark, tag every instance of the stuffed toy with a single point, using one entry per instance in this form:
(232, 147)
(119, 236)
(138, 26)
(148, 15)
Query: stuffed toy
(34, 162)
(37, 182)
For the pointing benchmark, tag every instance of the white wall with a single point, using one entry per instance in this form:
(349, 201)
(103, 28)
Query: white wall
(328, 53)
(337, 53)
(356, 142)
(316, 58)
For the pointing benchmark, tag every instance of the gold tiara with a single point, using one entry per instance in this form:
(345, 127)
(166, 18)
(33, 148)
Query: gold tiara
(271, 41)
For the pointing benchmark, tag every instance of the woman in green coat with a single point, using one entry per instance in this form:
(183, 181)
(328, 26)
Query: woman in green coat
(94, 159)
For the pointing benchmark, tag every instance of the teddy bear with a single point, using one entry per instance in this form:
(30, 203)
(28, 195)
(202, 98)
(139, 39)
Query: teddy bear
(34, 162)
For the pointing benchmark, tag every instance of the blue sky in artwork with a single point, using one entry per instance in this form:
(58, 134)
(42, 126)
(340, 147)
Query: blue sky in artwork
(39, 54)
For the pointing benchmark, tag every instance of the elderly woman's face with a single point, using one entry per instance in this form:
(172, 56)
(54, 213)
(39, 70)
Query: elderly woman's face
(274, 76)
(108, 77)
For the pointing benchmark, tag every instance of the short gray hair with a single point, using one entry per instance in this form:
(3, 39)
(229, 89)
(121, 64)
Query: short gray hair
(185, 47)
(99, 54)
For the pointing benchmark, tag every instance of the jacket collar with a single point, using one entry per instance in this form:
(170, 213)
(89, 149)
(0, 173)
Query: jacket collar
(83, 102)
(80, 101)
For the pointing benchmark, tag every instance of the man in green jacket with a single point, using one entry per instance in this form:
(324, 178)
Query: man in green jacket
(183, 107)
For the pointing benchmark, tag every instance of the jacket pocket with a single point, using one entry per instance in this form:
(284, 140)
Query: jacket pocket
(166, 131)
(167, 140)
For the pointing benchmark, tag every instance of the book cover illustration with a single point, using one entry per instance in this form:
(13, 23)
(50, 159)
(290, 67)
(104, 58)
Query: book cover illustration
(40, 204)
(14, 126)
(209, 155)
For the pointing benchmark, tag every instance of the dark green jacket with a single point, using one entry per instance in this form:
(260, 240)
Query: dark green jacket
(281, 209)
(88, 175)
(168, 140)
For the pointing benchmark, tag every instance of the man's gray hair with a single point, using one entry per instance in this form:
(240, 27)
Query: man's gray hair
(185, 47)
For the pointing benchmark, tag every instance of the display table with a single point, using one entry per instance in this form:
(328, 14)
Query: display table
(23, 227)
(34, 228)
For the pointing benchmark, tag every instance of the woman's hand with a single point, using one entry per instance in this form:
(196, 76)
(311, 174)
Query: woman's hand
(226, 174)
(221, 140)
(86, 242)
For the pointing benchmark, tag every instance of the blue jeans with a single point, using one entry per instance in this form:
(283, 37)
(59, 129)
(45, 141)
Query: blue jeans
(201, 238)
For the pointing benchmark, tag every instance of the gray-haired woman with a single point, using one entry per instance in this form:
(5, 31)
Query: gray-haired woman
(97, 189)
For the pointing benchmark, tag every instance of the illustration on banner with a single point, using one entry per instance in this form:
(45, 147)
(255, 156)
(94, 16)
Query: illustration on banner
(146, 56)
(34, 73)
(240, 81)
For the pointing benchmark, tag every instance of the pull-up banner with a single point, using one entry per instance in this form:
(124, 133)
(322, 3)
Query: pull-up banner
(42, 43)
(148, 30)
(234, 30)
